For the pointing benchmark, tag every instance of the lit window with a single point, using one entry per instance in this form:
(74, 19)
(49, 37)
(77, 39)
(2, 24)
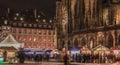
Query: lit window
(21, 19)
(30, 25)
(35, 25)
(44, 20)
(49, 26)
(0, 28)
(25, 25)
(15, 18)
(24, 31)
(49, 33)
(39, 32)
(5, 22)
(20, 24)
(14, 30)
(50, 21)
(40, 25)
(37, 20)
(4, 27)
(45, 26)
(38, 16)
(14, 24)
(8, 28)
(17, 14)
(20, 30)
(44, 32)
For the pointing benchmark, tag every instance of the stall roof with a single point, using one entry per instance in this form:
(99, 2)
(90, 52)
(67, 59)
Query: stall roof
(10, 41)
(100, 47)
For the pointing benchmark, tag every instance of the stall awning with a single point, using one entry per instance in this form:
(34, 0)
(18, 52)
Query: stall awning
(74, 48)
(8, 48)
(100, 48)
(10, 41)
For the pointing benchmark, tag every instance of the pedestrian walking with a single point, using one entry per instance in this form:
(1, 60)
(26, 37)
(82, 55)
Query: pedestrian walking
(38, 59)
(66, 58)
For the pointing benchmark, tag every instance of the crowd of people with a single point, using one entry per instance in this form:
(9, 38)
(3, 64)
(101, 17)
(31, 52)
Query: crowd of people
(68, 57)
(31, 57)
(93, 58)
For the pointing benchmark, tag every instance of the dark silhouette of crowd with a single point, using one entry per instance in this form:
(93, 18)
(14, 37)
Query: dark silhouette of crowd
(93, 58)
(38, 59)
(21, 56)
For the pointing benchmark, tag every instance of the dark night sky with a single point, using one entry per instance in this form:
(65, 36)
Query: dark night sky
(46, 6)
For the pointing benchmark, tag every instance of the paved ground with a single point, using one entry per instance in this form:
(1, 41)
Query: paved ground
(53, 63)
(57, 63)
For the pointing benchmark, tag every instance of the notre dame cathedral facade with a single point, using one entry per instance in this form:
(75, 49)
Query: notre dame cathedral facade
(88, 23)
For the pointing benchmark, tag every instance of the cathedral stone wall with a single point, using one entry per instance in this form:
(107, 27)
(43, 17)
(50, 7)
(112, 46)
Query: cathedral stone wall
(109, 38)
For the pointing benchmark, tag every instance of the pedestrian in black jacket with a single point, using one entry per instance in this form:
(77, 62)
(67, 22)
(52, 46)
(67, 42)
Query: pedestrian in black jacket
(66, 58)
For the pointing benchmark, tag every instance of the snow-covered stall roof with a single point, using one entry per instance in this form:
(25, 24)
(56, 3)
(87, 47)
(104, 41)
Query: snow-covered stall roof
(10, 41)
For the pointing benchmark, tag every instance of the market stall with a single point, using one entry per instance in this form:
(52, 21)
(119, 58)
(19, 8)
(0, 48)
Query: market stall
(101, 49)
(101, 53)
(115, 52)
(74, 53)
(74, 50)
(1, 55)
(10, 52)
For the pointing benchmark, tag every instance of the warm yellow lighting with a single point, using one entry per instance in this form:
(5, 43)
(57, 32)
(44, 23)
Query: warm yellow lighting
(5, 22)
(38, 16)
(15, 18)
(17, 14)
(34, 39)
(50, 21)
(21, 19)
(44, 20)
(37, 20)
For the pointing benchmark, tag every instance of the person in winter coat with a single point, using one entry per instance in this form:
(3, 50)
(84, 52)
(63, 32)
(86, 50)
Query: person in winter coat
(65, 58)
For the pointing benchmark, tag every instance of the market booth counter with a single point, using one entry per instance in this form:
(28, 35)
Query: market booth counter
(10, 52)
(1, 56)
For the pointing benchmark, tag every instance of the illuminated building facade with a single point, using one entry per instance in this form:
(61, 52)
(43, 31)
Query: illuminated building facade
(34, 33)
(92, 22)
